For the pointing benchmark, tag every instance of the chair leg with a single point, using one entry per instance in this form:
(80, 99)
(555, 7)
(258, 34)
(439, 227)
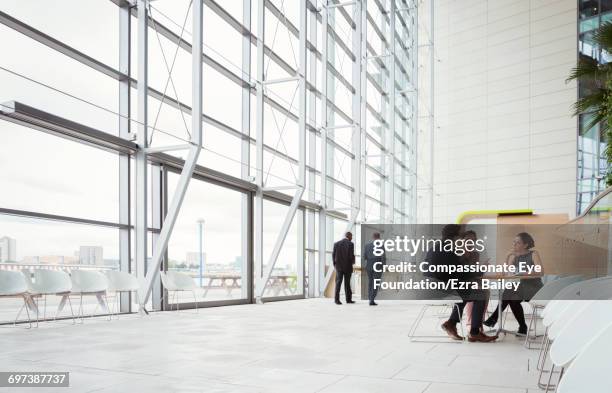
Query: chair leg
(560, 376)
(548, 385)
(110, 314)
(195, 299)
(534, 316)
(527, 342)
(81, 310)
(27, 312)
(117, 303)
(544, 343)
(19, 312)
(37, 312)
(71, 310)
(25, 305)
(543, 371)
(137, 298)
(175, 302)
(417, 321)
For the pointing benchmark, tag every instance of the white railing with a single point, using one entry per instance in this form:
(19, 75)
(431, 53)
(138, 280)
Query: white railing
(29, 266)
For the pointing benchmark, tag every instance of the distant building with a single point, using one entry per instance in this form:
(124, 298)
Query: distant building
(49, 259)
(8, 249)
(91, 255)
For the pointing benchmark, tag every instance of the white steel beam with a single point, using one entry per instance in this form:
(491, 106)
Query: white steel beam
(312, 151)
(432, 115)
(391, 120)
(124, 159)
(321, 278)
(142, 140)
(192, 158)
(246, 286)
(364, 101)
(302, 131)
(358, 66)
(259, 151)
(344, 4)
(162, 149)
(281, 80)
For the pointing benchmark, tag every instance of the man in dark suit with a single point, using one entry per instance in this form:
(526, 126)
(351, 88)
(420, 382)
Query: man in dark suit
(343, 256)
(441, 257)
(373, 267)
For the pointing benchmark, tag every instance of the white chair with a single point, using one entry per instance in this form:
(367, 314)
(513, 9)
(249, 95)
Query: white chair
(14, 284)
(448, 302)
(598, 289)
(587, 323)
(591, 370)
(88, 282)
(563, 309)
(120, 282)
(176, 282)
(50, 282)
(550, 313)
(541, 299)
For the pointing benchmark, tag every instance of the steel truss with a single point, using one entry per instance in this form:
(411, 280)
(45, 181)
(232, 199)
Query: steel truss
(395, 83)
(147, 273)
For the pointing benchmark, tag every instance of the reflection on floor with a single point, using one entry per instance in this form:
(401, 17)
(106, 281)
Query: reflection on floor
(293, 346)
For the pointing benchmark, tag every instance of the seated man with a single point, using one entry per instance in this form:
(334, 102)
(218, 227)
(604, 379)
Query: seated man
(440, 257)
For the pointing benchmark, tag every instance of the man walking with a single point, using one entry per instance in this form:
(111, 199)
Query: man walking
(373, 267)
(343, 257)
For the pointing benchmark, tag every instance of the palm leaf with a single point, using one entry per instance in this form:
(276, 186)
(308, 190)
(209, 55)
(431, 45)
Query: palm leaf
(587, 68)
(598, 118)
(603, 36)
(591, 103)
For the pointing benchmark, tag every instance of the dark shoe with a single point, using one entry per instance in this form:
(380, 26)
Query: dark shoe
(451, 329)
(373, 304)
(350, 301)
(489, 323)
(522, 331)
(338, 302)
(481, 338)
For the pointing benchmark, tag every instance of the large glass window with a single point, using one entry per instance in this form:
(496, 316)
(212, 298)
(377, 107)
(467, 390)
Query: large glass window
(592, 165)
(208, 240)
(289, 264)
(47, 174)
(81, 79)
(37, 244)
(62, 203)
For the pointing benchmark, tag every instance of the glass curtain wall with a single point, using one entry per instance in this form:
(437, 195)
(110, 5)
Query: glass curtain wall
(360, 75)
(592, 164)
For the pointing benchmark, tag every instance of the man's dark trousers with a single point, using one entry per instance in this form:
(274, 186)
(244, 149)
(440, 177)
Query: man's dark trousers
(346, 276)
(372, 292)
(478, 308)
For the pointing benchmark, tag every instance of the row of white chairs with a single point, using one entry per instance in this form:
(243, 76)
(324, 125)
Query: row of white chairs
(577, 337)
(40, 283)
(550, 289)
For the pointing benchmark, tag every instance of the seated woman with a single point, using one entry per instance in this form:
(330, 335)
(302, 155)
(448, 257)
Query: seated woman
(471, 258)
(522, 252)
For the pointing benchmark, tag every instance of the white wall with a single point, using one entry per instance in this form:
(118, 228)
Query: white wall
(504, 137)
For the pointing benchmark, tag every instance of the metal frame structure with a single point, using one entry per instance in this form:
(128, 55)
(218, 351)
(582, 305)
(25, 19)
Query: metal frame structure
(318, 190)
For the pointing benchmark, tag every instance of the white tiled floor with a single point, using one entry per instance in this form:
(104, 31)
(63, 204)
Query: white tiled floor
(293, 346)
